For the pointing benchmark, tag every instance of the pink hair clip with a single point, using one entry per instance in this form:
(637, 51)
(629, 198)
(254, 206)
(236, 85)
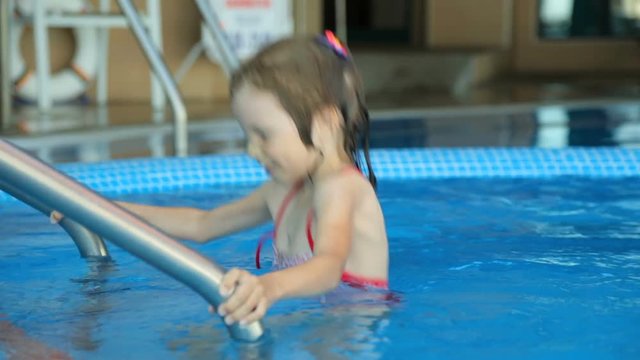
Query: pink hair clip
(331, 40)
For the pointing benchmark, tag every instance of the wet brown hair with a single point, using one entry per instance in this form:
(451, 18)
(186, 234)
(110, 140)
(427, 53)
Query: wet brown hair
(307, 75)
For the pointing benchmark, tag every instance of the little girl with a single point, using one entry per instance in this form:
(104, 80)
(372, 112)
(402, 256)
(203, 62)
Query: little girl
(301, 105)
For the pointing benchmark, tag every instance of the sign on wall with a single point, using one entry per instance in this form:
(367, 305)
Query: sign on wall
(249, 25)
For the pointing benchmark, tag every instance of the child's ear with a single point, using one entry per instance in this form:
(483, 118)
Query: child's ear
(326, 122)
(331, 117)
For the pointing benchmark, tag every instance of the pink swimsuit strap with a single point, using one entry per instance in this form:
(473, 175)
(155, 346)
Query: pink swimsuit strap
(348, 278)
(279, 215)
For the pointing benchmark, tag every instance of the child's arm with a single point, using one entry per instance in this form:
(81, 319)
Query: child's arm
(202, 225)
(253, 295)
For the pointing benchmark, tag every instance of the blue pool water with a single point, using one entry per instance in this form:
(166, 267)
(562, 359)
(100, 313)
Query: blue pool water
(480, 268)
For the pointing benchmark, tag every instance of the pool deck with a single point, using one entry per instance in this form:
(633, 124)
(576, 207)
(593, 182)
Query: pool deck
(80, 132)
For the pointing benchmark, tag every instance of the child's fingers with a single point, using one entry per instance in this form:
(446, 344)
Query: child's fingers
(229, 281)
(257, 314)
(241, 294)
(247, 306)
(55, 217)
(230, 287)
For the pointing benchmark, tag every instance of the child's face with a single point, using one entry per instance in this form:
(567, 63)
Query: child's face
(272, 136)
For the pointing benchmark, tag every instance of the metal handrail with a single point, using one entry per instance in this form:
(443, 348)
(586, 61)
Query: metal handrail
(229, 59)
(55, 190)
(5, 69)
(89, 244)
(44, 188)
(160, 69)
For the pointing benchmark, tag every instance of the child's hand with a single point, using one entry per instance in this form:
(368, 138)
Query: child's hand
(55, 217)
(248, 299)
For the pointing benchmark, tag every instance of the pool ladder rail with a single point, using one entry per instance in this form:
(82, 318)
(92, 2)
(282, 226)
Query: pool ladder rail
(229, 61)
(148, 34)
(44, 188)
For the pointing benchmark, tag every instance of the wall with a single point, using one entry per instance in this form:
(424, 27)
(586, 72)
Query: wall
(450, 25)
(531, 55)
(128, 70)
(465, 24)
(511, 25)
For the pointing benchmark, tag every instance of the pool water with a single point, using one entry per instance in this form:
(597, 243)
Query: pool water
(515, 268)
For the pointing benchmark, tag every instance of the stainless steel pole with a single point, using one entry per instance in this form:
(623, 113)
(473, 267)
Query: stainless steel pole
(5, 70)
(108, 220)
(89, 244)
(230, 61)
(161, 70)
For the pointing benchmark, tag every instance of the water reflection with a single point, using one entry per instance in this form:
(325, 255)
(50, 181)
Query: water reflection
(17, 344)
(81, 328)
(553, 126)
(608, 124)
(559, 127)
(86, 323)
(344, 324)
(93, 135)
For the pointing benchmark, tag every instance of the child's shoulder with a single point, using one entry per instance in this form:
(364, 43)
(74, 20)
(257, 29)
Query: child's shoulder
(275, 190)
(346, 184)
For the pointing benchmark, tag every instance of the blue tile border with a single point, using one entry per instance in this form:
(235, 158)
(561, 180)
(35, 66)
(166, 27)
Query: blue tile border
(506, 163)
(170, 174)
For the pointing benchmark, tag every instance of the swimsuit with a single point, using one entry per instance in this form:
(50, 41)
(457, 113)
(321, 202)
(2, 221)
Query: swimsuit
(282, 261)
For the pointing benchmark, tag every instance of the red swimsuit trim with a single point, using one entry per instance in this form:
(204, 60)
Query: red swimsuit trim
(348, 278)
(363, 282)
